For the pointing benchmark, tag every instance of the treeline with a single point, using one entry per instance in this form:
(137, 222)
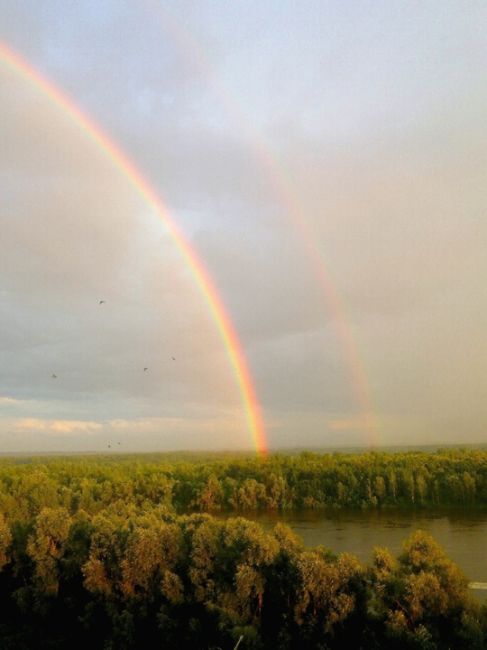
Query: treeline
(143, 577)
(369, 480)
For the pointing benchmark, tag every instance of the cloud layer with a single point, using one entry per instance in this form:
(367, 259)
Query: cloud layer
(277, 136)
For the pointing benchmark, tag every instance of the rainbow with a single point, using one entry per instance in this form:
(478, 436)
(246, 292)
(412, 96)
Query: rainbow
(282, 190)
(200, 274)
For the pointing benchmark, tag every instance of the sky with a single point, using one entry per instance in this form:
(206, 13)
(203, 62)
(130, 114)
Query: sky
(326, 161)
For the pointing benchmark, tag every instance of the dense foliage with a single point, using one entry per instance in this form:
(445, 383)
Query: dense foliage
(128, 578)
(94, 553)
(368, 480)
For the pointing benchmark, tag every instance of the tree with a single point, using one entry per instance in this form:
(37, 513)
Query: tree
(423, 598)
(46, 545)
(5, 542)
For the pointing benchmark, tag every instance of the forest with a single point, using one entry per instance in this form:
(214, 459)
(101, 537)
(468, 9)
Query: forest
(121, 552)
(241, 483)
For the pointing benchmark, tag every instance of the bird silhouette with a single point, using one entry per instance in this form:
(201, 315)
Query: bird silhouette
(145, 369)
(54, 376)
(102, 302)
(173, 358)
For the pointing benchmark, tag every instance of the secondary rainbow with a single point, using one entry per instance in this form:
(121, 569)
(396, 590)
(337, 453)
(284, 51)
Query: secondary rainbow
(200, 274)
(282, 190)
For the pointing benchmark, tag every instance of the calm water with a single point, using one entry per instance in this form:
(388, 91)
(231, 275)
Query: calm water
(463, 535)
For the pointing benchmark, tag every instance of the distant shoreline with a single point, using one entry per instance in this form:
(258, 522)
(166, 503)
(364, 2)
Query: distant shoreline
(285, 451)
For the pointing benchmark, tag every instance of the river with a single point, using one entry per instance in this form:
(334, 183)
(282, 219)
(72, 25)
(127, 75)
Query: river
(463, 534)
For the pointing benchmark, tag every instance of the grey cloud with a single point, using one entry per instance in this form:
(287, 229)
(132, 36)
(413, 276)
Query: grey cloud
(379, 132)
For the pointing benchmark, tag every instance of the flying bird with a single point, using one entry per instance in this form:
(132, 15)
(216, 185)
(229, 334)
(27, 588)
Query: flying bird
(54, 376)
(102, 302)
(145, 370)
(173, 358)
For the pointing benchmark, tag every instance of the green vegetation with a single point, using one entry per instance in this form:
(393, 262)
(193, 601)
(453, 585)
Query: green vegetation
(238, 483)
(96, 552)
(128, 578)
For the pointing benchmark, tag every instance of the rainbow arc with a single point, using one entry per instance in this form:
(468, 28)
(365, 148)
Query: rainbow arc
(133, 175)
(282, 190)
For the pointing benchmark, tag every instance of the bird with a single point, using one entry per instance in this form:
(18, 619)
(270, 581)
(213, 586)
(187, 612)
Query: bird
(102, 302)
(54, 376)
(145, 369)
(173, 358)
(118, 443)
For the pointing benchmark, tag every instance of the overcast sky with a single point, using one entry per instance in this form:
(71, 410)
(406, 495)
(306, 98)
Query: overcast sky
(291, 141)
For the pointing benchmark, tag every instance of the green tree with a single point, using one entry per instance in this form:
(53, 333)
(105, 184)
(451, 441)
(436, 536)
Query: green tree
(46, 545)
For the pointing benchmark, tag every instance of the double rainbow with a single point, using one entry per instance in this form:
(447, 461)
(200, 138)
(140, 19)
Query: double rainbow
(281, 188)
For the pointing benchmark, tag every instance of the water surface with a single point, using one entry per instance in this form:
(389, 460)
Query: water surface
(463, 534)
